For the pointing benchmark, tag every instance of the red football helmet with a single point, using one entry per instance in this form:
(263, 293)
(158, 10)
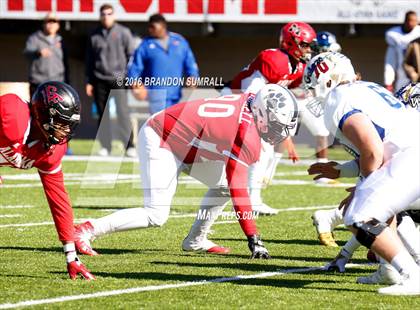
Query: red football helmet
(293, 38)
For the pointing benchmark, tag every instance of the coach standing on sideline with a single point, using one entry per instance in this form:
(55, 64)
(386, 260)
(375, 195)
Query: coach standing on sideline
(110, 46)
(162, 54)
(47, 54)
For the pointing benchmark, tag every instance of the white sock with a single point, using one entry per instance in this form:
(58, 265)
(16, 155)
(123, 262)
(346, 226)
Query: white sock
(404, 263)
(410, 236)
(255, 196)
(351, 245)
(126, 219)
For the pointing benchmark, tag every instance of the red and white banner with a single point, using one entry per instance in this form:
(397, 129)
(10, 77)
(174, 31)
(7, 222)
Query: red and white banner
(238, 11)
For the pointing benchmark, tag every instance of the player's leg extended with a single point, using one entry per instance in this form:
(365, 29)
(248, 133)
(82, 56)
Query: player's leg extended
(386, 192)
(213, 175)
(159, 171)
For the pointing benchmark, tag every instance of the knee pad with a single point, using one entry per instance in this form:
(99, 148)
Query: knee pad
(368, 231)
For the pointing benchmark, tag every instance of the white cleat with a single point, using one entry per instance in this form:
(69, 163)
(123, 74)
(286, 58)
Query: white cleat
(386, 274)
(131, 152)
(326, 181)
(103, 152)
(203, 245)
(264, 209)
(407, 286)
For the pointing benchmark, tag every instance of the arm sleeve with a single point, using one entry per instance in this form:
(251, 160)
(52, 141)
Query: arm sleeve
(190, 64)
(31, 49)
(129, 44)
(410, 62)
(59, 203)
(390, 68)
(237, 176)
(135, 66)
(89, 61)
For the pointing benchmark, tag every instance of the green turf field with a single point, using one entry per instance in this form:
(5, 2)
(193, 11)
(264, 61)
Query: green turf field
(151, 261)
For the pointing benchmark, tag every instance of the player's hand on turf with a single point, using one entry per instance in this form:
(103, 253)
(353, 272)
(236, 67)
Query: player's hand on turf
(76, 268)
(339, 262)
(324, 170)
(346, 202)
(257, 248)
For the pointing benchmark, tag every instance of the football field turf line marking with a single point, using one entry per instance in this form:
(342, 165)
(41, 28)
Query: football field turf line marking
(155, 288)
(16, 207)
(9, 215)
(176, 216)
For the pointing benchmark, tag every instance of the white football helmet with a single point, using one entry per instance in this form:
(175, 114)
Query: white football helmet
(323, 73)
(275, 112)
(410, 95)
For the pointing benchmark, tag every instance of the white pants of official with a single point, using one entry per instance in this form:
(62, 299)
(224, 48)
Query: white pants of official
(159, 169)
(388, 190)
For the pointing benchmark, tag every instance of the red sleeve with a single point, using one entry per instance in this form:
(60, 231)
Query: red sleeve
(59, 203)
(14, 119)
(237, 177)
(272, 68)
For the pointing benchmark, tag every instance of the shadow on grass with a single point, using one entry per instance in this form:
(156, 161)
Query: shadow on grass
(100, 250)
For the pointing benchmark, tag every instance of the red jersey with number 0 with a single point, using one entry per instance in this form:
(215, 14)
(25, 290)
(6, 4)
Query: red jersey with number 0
(273, 66)
(210, 129)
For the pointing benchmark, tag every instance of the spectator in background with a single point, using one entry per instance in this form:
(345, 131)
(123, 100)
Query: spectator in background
(110, 46)
(48, 59)
(47, 54)
(398, 38)
(162, 54)
(412, 61)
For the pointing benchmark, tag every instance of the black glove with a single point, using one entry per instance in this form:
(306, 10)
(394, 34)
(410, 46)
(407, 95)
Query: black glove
(257, 248)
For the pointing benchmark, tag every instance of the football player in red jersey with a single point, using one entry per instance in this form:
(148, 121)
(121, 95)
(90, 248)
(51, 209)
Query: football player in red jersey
(214, 140)
(35, 134)
(284, 66)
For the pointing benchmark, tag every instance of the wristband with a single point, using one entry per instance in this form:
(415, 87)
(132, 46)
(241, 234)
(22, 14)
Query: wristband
(349, 169)
(69, 247)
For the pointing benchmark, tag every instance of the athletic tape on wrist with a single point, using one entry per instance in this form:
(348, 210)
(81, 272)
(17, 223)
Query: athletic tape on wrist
(349, 169)
(69, 247)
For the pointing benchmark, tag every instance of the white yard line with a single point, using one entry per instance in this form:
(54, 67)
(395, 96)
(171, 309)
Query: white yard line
(139, 289)
(16, 207)
(9, 215)
(225, 214)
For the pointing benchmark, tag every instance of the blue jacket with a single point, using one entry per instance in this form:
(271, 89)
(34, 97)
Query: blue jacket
(151, 60)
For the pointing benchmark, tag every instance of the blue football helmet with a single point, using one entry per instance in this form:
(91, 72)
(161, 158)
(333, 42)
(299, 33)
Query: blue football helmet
(326, 42)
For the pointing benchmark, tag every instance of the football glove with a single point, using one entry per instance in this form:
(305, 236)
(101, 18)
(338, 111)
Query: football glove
(339, 262)
(76, 267)
(257, 248)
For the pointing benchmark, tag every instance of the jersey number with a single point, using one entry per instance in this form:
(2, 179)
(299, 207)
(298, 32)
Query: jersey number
(218, 107)
(389, 99)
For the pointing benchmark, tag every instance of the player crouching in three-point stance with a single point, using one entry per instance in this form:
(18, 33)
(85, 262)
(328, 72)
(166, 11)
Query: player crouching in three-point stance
(214, 140)
(35, 134)
(373, 124)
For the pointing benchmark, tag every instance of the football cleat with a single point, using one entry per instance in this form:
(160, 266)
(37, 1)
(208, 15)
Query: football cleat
(339, 262)
(326, 181)
(263, 209)
(322, 221)
(386, 274)
(203, 245)
(407, 286)
(327, 239)
(83, 234)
